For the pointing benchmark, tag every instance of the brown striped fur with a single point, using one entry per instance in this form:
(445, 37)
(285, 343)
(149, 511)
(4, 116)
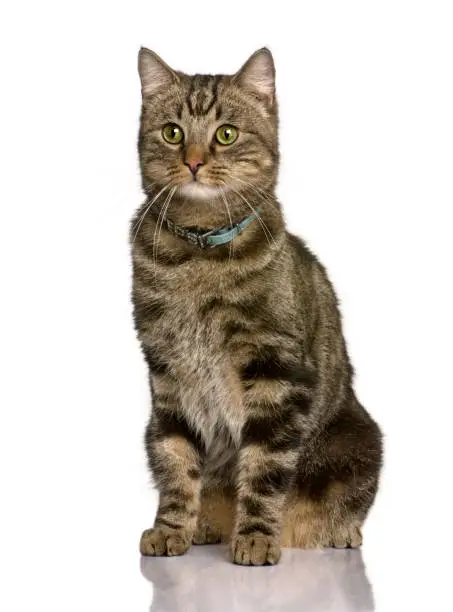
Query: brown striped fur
(256, 436)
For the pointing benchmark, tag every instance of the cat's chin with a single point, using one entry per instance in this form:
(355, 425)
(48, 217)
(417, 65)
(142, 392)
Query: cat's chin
(199, 191)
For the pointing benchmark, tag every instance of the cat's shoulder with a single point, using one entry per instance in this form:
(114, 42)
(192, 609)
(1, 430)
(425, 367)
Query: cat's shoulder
(301, 251)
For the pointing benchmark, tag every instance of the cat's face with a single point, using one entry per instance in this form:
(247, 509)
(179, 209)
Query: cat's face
(207, 135)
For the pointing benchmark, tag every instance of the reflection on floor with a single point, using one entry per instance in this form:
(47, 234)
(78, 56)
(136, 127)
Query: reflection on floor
(305, 580)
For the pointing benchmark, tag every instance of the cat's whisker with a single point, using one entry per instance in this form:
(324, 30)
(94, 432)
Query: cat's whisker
(231, 247)
(262, 195)
(260, 192)
(161, 212)
(142, 218)
(147, 188)
(258, 189)
(267, 199)
(159, 224)
(266, 231)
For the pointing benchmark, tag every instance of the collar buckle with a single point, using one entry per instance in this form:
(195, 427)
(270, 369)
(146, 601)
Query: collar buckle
(203, 239)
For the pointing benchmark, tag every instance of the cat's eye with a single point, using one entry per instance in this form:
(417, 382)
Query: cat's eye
(172, 133)
(226, 134)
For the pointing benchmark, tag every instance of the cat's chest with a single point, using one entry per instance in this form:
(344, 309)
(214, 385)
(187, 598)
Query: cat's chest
(189, 342)
(208, 387)
(181, 330)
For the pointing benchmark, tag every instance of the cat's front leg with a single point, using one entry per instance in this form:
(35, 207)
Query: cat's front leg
(174, 460)
(266, 470)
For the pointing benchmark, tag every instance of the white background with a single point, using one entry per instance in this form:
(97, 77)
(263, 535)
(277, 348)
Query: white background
(366, 107)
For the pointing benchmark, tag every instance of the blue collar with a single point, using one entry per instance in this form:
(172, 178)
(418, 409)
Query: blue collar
(212, 238)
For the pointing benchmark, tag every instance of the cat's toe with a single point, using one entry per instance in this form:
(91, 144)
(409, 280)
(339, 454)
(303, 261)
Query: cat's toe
(255, 549)
(346, 537)
(159, 542)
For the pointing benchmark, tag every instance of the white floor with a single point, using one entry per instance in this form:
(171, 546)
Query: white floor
(311, 581)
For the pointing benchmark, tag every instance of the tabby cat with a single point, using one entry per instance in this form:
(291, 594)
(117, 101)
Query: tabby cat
(255, 437)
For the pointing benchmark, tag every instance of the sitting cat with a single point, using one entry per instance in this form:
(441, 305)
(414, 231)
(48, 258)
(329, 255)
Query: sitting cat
(255, 436)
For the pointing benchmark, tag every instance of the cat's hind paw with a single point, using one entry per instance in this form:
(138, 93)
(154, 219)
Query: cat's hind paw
(206, 534)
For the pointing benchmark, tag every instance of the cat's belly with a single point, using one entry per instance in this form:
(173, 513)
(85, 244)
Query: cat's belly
(219, 464)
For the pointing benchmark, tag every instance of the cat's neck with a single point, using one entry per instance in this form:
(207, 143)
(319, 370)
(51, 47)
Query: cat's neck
(205, 215)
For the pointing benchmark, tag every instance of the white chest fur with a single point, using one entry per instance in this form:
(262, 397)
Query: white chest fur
(208, 389)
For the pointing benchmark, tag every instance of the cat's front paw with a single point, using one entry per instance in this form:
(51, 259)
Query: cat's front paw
(255, 549)
(162, 541)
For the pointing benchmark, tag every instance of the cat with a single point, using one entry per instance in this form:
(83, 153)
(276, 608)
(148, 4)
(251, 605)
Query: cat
(256, 437)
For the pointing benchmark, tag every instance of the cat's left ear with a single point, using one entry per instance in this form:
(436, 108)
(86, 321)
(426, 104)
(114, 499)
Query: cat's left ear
(257, 76)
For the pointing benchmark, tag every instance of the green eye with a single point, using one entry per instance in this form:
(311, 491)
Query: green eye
(172, 133)
(226, 134)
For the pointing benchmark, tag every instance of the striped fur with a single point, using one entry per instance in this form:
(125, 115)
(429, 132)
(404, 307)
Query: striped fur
(256, 436)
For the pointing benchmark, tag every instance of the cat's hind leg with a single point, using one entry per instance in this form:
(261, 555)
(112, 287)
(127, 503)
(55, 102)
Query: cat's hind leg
(320, 524)
(337, 483)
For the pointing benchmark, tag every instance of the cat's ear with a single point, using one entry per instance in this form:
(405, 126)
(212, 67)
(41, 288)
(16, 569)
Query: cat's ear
(154, 72)
(257, 75)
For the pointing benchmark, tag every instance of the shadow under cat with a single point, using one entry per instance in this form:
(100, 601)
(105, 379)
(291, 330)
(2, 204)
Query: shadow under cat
(311, 580)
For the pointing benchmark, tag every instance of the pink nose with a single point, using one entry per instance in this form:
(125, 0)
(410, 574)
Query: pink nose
(194, 158)
(194, 164)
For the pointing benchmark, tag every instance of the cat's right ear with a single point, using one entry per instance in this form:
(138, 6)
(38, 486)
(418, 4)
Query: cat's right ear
(154, 73)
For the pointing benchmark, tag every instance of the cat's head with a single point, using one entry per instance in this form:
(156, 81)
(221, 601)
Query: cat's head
(203, 134)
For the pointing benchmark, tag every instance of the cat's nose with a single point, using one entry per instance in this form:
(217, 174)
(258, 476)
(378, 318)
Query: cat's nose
(194, 158)
(194, 165)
